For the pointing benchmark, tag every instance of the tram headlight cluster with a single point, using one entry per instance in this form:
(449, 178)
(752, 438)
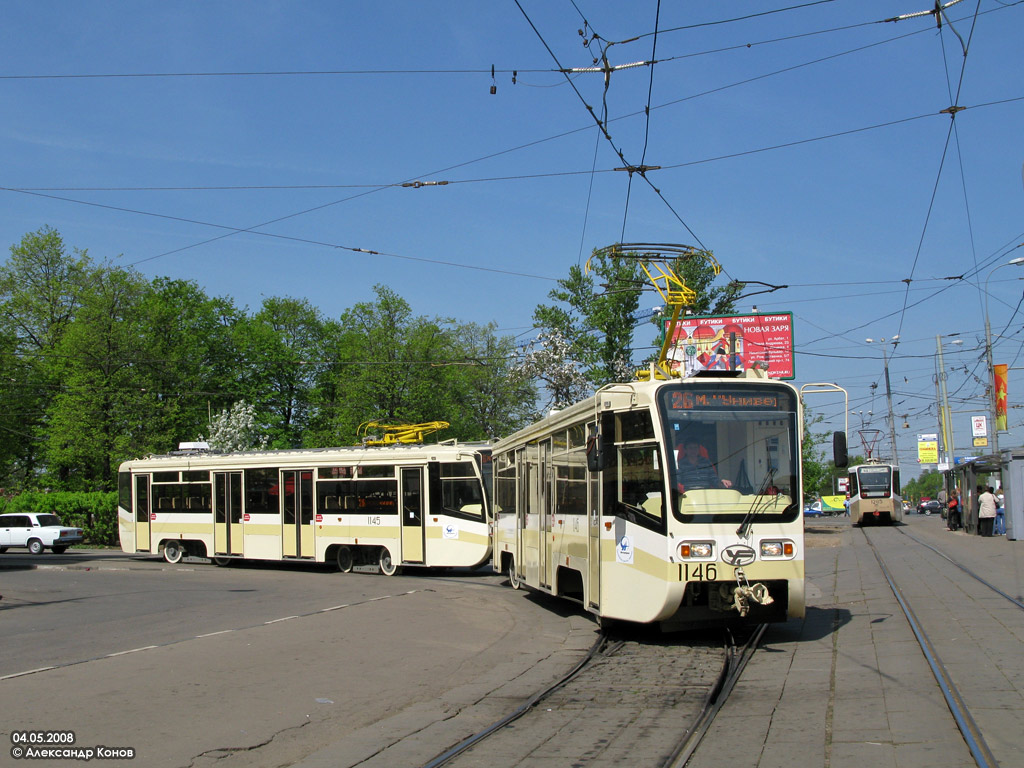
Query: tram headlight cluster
(777, 550)
(696, 550)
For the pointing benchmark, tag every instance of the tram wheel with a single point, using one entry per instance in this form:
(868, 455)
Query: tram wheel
(345, 560)
(223, 562)
(387, 565)
(173, 552)
(513, 578)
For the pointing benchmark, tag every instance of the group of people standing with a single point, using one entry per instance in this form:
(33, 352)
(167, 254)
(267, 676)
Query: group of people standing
(987, 506)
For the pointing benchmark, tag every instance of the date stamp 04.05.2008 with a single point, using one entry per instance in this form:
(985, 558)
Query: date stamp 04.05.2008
(62, 745)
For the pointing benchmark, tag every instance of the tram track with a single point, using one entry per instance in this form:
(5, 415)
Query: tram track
(610, 680)
(963, 568)
(961, 713)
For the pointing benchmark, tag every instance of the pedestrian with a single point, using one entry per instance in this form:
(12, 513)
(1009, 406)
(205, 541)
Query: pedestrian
(986, 511)
(846, 504)
(953, 515)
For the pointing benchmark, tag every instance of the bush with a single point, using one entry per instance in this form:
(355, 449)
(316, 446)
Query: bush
(95, 513)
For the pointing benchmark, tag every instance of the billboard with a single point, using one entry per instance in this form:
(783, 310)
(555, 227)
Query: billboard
(733, 342)
(928, 449)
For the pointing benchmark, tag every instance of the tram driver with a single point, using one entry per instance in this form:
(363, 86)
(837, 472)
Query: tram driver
(694, 470)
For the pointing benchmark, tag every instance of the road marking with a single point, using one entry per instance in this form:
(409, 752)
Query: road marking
(133, 650)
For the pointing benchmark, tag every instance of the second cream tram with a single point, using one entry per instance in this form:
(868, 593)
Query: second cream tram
(875, 494)
(363, 507)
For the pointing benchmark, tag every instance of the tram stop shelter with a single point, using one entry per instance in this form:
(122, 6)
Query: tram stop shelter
(965, 476)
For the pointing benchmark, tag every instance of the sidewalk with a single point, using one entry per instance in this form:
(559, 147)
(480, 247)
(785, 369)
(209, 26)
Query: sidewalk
(850, 685)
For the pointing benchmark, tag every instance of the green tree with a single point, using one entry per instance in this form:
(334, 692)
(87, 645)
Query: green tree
(88, 419)
(485, 395)
(383, 367)
(41, 286)
(594, 318)
(188, 363)
(282, 346)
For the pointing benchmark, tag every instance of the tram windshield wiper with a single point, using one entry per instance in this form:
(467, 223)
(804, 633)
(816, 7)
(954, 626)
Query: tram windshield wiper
(759, 504)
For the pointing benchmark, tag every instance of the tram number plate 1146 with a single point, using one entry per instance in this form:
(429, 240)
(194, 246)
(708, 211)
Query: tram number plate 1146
(703, 572)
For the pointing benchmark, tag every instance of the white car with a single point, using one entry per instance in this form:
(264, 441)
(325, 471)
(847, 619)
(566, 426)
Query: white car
(37, 532)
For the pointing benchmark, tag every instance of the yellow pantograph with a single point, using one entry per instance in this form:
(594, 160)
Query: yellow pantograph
(397, 434)
(656, 262)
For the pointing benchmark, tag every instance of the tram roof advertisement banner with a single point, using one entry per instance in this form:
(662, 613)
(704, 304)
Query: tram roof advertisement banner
(704, 344)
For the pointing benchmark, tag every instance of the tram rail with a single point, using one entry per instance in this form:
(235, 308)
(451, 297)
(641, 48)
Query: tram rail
(968, 727)
(735, 656)
(964, 568)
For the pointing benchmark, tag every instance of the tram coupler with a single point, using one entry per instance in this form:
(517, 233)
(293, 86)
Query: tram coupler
(745, 594)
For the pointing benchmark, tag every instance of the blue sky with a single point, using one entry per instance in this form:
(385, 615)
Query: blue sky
(804, 143)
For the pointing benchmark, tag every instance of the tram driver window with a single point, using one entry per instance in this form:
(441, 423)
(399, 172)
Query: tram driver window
(633, 483)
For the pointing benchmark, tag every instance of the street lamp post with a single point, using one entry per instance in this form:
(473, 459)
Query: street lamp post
(988, 354)
(888, 394)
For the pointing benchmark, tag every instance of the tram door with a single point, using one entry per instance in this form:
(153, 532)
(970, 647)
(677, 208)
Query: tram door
(227, 513)
(529, 506)
(142, 513)
(297, 536)
(594, 553)
(412, 514)
(544, 473)
(521, 510)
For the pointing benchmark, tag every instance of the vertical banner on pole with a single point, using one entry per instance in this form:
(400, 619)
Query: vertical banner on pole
(1000, 374)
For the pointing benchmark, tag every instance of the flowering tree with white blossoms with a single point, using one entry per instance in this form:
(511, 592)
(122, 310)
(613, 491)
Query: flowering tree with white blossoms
(548, 359)
(235, 430)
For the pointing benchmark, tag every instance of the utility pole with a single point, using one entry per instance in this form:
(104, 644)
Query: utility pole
(888, 395)
(945, 417)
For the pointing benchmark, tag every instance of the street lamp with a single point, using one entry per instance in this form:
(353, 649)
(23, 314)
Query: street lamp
(988, 353)
(888, 393)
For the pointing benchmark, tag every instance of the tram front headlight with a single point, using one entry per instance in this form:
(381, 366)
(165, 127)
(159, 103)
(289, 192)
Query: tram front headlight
(703, 550)
(777, 549)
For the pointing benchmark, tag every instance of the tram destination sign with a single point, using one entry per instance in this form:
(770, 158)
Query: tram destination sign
(733, 343)
(726, 400)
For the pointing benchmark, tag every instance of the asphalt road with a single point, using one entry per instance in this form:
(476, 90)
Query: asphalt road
(260, 664)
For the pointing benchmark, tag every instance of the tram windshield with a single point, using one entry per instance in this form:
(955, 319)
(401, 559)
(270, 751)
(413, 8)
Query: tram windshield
(875, 482)
(731, 450)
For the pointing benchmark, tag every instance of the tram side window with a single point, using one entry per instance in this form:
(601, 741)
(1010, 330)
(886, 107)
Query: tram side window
(124, 490)
(853, 491)
(261, 491)
(182, 497)
(461, 491)
(373, 496)
(505, 484)
(570, 466)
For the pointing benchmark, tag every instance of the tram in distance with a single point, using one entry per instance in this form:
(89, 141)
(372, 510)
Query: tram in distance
(366, 507)
(669, 501)
(875, 494)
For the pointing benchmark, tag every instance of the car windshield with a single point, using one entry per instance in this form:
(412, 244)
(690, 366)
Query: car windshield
(45, 520)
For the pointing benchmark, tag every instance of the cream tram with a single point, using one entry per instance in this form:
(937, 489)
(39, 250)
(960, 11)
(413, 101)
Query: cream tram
(364, 507)
(874, 490)
(674, 501)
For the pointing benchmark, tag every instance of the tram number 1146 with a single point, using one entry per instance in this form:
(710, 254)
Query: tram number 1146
(700, 572)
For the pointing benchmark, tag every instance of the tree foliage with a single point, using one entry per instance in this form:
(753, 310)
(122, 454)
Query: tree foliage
(99, 365)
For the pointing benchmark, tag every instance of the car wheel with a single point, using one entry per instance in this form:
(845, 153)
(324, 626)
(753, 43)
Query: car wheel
(35, 546)
(58, 550)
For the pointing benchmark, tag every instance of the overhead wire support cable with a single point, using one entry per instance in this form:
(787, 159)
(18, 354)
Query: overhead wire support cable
(590, 109)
